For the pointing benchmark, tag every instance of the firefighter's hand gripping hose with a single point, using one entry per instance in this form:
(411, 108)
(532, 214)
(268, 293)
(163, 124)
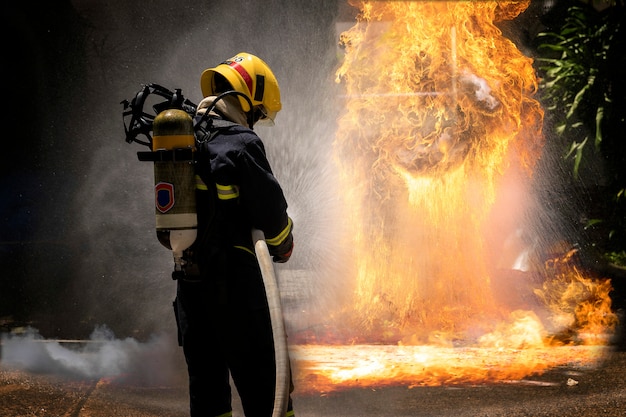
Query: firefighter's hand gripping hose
(278, 326)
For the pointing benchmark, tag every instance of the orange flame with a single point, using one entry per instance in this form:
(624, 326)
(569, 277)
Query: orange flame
(440, 122)
(438, 107)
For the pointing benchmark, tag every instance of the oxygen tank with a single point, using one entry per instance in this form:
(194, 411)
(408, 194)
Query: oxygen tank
(174, 181)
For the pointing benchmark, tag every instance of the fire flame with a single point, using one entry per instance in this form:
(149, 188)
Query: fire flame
(437, 145)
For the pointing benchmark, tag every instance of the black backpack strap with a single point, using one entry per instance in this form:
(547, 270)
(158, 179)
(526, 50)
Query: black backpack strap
(207, 127)
(205, 249)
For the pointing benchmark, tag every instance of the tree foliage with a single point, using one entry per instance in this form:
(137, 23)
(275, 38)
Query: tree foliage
(582, 87)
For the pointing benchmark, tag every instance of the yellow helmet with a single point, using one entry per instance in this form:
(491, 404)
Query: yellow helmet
(251, 76)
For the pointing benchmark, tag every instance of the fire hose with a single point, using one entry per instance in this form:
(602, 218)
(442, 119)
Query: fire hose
(281, 397)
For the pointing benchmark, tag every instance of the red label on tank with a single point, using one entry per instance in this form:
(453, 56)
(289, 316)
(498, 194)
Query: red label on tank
(164, 196)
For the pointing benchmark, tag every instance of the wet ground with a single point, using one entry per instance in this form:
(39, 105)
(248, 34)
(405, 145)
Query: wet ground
(563, 391)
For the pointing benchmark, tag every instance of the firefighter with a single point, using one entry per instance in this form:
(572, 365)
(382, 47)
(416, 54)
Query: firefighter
(221, 306)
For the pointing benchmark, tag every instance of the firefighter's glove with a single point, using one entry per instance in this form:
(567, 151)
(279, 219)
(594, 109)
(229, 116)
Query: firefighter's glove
(282, 253)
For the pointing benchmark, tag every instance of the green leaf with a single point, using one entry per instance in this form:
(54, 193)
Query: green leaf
(577, 99)
(576, 149)
(592, 222)
(599, 117)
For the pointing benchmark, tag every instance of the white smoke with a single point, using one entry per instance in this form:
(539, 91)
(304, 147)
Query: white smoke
(101, 356)
(480, 88)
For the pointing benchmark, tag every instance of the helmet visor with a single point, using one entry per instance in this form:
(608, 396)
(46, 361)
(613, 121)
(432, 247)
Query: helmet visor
(266, 117)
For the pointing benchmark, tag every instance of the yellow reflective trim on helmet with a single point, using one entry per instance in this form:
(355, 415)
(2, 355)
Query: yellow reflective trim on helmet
(227, 192)
(200, 185)
(227, 414)
(275, 241)
(290, 413)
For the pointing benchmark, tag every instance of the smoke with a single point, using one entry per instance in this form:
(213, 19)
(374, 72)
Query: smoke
(100, 356)
(480, 88)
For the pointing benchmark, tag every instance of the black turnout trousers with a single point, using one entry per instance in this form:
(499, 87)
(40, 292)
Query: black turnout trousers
(225, 329)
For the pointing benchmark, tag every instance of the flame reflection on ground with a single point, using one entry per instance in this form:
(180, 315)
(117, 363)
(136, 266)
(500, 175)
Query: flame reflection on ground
(325, 368)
